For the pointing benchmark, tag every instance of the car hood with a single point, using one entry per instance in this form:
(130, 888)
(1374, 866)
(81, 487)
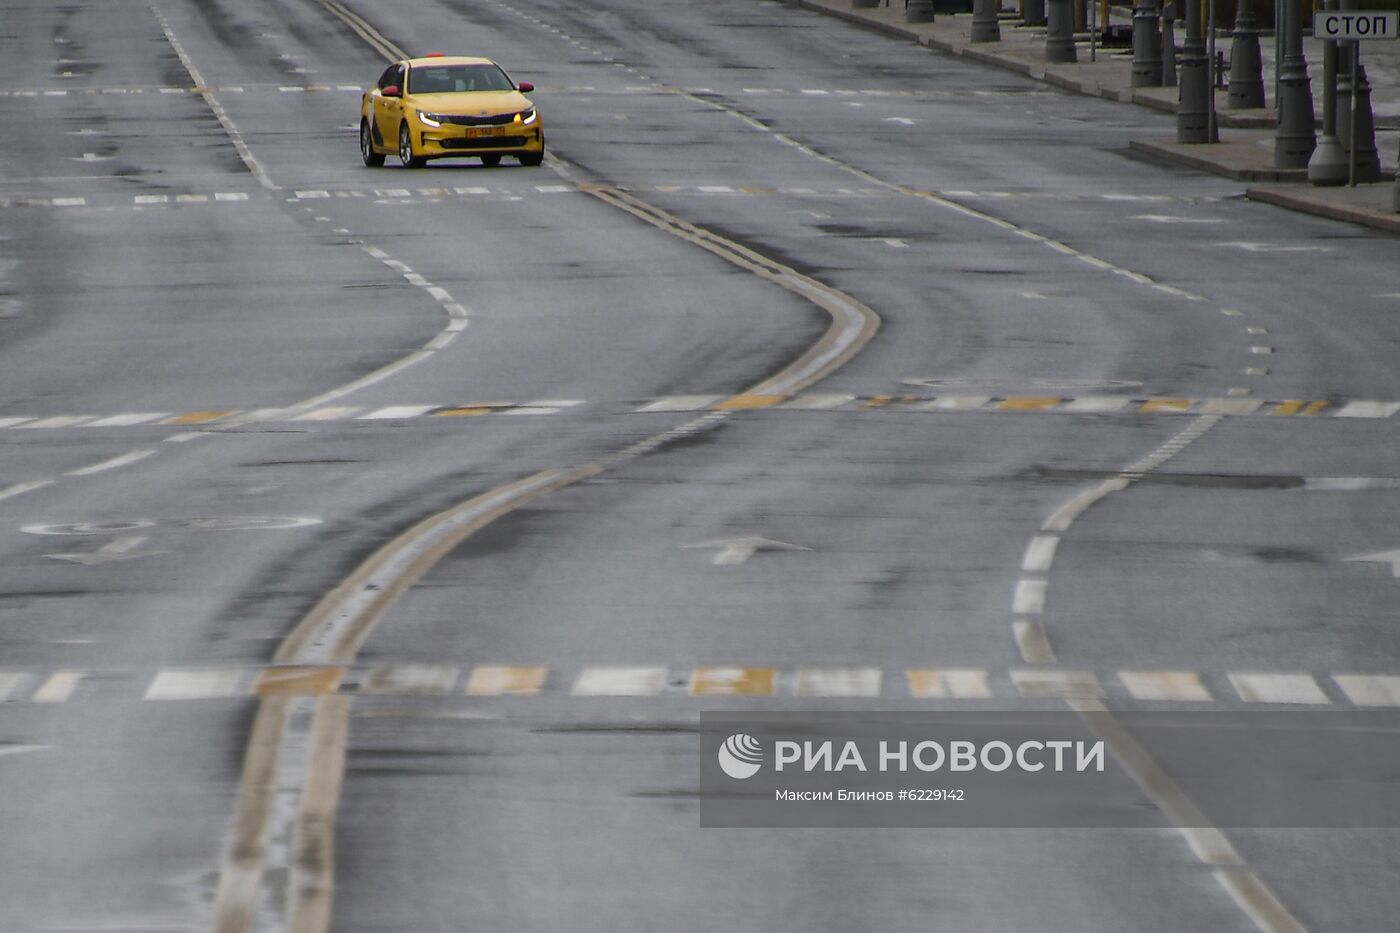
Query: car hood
(473, 103)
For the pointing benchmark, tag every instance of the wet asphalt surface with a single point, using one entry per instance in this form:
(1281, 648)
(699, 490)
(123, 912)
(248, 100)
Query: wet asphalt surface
(803, 139)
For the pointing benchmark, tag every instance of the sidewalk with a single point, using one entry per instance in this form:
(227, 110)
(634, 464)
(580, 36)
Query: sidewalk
(1245, 152)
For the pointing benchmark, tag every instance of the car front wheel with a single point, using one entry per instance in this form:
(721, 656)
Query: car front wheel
(406, 157)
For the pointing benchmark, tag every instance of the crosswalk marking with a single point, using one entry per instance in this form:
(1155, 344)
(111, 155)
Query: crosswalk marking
(124, 421)
(505, 680)
(755, 682)
(410, 679)
(58, 688)
(838, 682)
(196, 685)
(397, 412)
(1370, 689)
(1278, 688)
(620, 681)
(298, 681)
(10, 684)
(959, 684)
(681, 403)
(1036, 683)
(733, 681)
(1165, 685)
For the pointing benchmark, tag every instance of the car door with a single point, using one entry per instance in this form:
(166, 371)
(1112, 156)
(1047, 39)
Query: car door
(386, 112)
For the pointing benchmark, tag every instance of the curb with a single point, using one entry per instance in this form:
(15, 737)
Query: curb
(1280, 197)
(1174, 153)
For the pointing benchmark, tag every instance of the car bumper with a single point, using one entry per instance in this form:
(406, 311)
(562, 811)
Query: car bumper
(456, 140)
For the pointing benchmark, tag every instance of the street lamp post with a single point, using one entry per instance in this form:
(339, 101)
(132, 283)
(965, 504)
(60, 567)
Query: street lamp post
(985, 27)
(1059, 34)
(1246, 62)
(1193, 113)
(1147, 46)
(1294, 140)
(1328, 164)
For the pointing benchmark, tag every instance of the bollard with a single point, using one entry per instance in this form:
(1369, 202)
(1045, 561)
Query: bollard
(1059, 35)
(985, 27)
(1169, 44)
(1033, 13)
(1246, 61)
(864, 4)
(1395, 191)
(1357, 129)
(1147, 46)
(1193, 112)
(1294, 140)
(918, 11)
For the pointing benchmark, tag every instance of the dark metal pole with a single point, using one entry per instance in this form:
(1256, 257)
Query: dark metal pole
(1246, 62)
(1147, 46)
(1193, 113)
(1169, 44)
(985, 27)
(1212, 127)
(1059, 34)
(1294, 140)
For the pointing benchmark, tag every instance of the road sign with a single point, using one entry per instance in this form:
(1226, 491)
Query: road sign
(1350, 25)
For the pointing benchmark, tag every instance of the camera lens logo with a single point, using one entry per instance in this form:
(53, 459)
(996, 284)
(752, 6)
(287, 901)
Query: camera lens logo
(740, 756)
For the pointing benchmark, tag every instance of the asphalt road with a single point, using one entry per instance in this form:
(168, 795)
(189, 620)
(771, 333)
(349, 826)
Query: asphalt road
(1119, 438)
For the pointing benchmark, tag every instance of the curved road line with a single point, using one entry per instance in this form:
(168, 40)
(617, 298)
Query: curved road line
(290, 784)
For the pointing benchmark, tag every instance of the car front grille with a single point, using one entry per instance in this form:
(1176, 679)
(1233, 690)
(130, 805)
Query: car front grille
(483, 142)
(495, 119)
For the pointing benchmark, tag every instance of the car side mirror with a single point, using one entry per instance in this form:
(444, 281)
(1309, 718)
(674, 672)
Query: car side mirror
(524, 87)
(391, 91)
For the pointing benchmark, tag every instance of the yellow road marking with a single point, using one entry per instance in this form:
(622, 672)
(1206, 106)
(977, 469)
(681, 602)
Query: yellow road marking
(505, 680)
(743, 402)
(734, 681)
(963, 684)
(1289, 408)
(1314, 407)
(198, 417)
(298, 681)
(1029, 403)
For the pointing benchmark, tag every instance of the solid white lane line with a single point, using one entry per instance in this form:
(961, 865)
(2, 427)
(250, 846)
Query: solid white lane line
(397, 411)
(129, 457)
(123, 421)
(19, 489)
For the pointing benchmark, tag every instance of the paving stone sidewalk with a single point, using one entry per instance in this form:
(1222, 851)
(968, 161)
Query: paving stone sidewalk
(1245, 150)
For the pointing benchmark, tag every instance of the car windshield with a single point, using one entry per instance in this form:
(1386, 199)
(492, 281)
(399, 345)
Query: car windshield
(450, 79)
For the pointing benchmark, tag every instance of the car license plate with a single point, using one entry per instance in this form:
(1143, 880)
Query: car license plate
(474, 132)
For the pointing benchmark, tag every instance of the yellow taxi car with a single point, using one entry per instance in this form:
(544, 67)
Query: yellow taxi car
(442, 106)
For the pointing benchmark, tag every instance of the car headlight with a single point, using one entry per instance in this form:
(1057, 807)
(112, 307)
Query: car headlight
(430, 119)
(528, 116)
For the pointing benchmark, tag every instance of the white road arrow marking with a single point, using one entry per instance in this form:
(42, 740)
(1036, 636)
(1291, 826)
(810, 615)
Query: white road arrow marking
(737, 550)
(1381, 557)
(905, 120)
(120, 549)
